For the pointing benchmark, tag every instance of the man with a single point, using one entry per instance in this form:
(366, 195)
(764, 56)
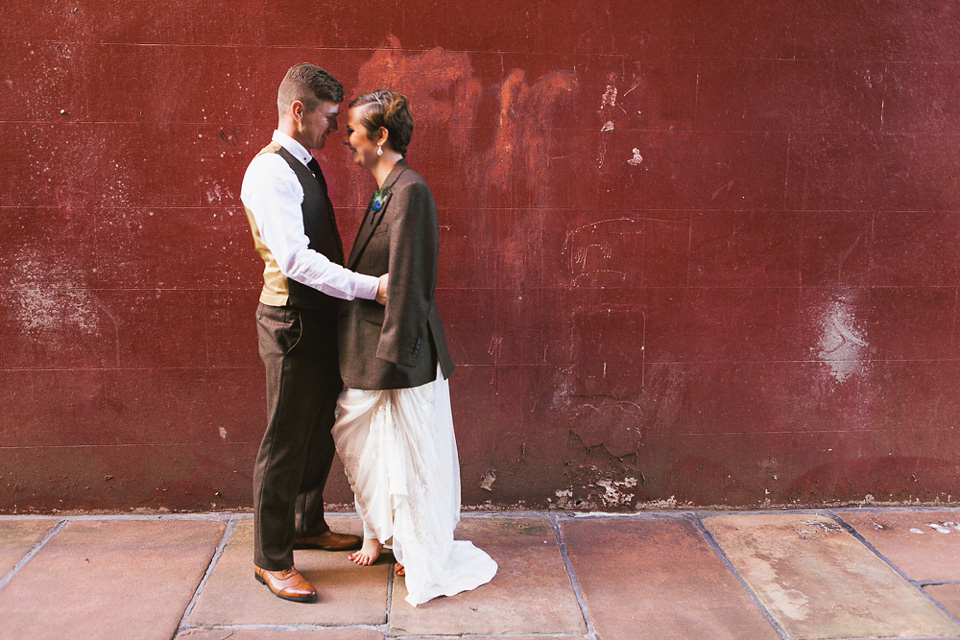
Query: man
(285, 198)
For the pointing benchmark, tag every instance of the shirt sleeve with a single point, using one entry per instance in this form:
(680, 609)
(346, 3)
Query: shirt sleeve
(272, 192)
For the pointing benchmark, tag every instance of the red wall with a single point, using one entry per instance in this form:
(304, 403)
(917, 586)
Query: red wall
(698, 252)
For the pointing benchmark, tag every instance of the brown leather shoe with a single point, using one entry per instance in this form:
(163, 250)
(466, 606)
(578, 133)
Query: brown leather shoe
(287, 584)
(330, 541)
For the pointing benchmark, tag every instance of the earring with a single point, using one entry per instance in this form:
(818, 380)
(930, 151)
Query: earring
(379, 150)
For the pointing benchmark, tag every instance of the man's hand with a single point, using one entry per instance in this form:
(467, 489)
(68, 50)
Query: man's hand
(382, 289)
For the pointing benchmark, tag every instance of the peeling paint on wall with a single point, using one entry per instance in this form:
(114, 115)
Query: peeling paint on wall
(609, 98)
(487, 480)
(41, 308)
(842, 343)
(618, 493)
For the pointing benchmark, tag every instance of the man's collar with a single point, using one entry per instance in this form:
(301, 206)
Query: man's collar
(295, 148)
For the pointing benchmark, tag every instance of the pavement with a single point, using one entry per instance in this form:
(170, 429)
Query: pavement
(842, 573)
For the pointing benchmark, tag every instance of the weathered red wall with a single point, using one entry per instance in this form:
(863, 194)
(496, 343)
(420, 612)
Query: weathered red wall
(701, 251)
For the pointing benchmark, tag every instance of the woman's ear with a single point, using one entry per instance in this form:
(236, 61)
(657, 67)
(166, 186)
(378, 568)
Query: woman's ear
(383, 136)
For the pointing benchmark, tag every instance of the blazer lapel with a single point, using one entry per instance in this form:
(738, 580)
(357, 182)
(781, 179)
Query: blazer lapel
(373, 218)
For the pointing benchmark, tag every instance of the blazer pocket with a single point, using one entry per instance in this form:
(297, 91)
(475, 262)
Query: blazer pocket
(371, 312)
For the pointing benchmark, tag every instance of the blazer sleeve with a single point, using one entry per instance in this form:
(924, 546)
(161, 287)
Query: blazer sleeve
(413, 275)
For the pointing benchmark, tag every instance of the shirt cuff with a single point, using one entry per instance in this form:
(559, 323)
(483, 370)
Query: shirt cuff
(367, 286)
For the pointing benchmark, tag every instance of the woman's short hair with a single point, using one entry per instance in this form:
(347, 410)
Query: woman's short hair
(309, 84)
(390, 110)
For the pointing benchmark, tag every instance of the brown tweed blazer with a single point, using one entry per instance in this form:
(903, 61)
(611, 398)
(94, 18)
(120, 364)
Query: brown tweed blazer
(397, 346)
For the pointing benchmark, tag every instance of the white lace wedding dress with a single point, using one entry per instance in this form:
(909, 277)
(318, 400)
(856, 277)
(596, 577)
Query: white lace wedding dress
(400, 455)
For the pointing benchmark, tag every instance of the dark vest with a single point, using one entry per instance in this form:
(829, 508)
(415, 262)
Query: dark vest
(321, 230)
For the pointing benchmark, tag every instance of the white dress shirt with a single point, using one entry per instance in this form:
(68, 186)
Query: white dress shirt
(272, 192)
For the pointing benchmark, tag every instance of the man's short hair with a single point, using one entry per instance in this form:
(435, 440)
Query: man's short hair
(309, 84)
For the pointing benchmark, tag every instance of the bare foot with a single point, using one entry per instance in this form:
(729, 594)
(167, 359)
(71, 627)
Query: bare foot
(399, 570)
(368, 553)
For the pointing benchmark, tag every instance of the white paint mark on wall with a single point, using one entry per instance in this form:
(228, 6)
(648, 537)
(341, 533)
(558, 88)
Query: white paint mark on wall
(841, 342)
(608, 126)
(669, 503)
(617, 493)
(725, 187)
(496, 343)
(214, 194)
(636, 159)
(581, 254)
(40, 308)
(916, 531)
(625, 93)
(565, 498)
(223, 433)
(561, 397)
(487, 480)
(609, 98)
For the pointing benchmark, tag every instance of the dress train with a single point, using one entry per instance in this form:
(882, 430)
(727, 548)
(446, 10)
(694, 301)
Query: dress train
(400, 455)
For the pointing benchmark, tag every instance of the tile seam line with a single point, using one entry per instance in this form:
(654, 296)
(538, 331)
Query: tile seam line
(34, 550)
(198, 516)
(891, 638)
(571, 574)
(716, 56)
(227, 534)
(284, 627)
(385, 627)
(697, 522)
(849, 528)
(500, 636)
(649, 514)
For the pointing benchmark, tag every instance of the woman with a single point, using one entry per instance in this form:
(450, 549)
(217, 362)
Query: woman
(394, 429)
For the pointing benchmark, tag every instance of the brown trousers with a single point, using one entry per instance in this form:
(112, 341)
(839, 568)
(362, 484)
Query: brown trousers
(298, 347)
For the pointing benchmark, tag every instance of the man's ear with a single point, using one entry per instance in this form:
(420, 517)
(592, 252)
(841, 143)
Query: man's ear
(297, 111)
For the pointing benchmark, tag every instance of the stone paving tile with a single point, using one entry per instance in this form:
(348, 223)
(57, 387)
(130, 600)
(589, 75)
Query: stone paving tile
(109, 579)
(946, 594)
(675, 583)
(17, 538)
(531, 593)
(818, 581)
(264, 634)
(923, 552)
(348, 594)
